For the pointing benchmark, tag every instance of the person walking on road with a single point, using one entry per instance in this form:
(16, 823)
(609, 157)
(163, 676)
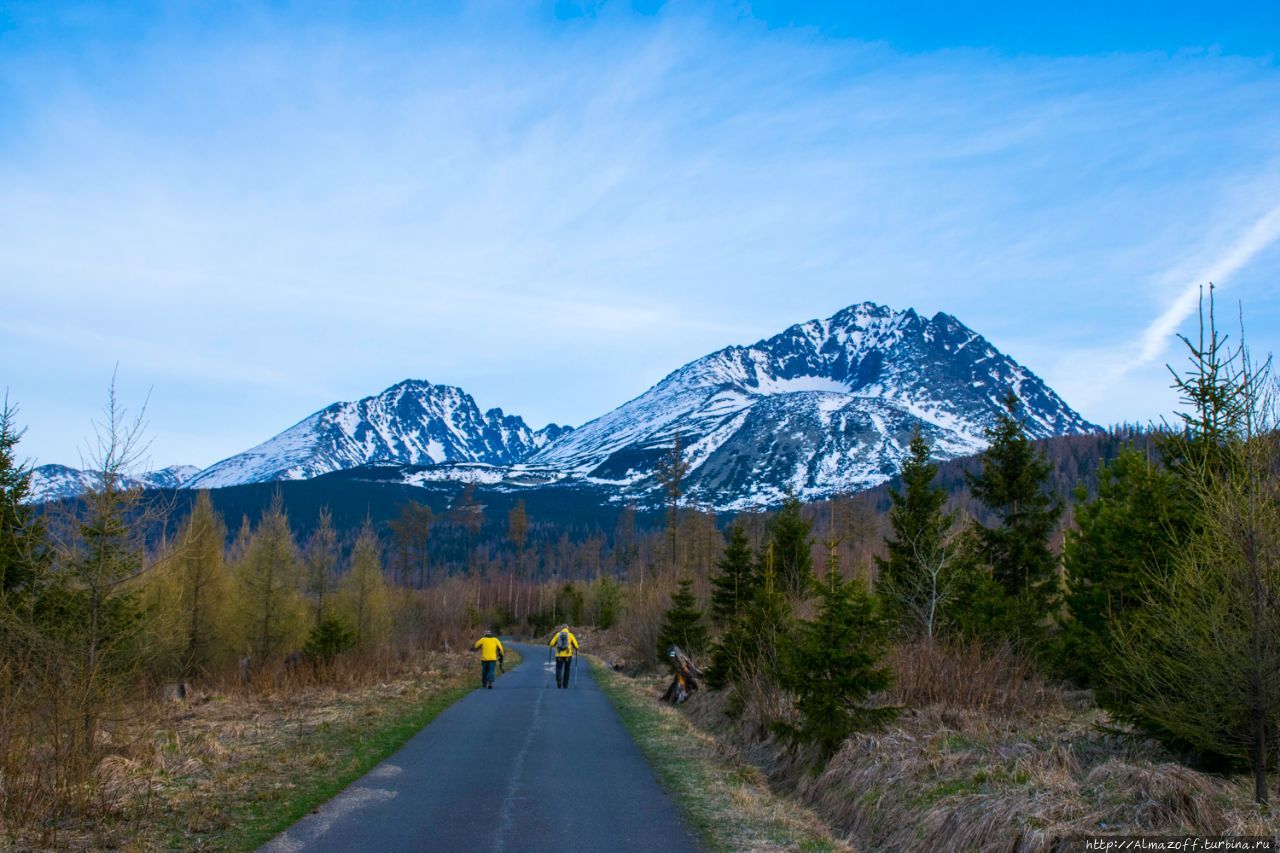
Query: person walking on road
(490, 653)
(565, 646)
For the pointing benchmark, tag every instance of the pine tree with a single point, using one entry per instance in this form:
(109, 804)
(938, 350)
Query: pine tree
(268, 582)
(1136, 525)
(751, 647)
(914, 582)
(835, 665)
(320, 560)
(24, 552)
(203, 587)
(25, 561)
(733, 585)
(1012, 485)
(608, 602)
(682, 625)
(365, 601)
(1197, 662)
(94, 609)
(328, 639)
(791, 543)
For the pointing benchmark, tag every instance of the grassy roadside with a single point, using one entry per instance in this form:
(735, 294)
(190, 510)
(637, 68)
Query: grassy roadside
(230, 772)
(726, 801)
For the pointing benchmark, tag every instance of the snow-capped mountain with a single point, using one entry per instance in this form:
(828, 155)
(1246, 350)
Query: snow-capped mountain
(411, 423)
(824, 407)
(56, 482)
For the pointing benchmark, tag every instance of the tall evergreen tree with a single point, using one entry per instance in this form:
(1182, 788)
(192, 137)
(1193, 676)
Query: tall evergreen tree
(913, 580)
(95, 610)
(1216, 390)
(752, 647)
(791, 543)
(1197, 663)
(836, 664)
(682, 625)
(733, 585)
(1134, 528)
(1013, 486)
(23, 546)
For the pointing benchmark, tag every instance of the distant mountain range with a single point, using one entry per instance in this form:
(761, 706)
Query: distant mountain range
(56, 482)
(824, 407)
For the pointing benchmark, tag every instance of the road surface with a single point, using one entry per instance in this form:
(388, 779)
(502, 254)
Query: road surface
(521, 767)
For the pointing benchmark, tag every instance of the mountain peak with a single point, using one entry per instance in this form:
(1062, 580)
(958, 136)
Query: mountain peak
(824, 406)
(413, 422)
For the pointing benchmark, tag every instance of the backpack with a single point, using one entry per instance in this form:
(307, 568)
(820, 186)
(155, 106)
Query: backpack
(562, 641)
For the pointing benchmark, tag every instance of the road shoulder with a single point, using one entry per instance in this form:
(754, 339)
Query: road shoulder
(727, 802)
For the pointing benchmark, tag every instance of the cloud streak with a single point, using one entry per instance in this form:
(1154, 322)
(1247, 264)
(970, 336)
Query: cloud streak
(1259, 236)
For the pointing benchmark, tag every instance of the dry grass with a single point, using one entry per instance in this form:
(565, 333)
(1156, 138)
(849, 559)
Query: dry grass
(927, 674)
(968, 780)
(988, 756)
(215, 771)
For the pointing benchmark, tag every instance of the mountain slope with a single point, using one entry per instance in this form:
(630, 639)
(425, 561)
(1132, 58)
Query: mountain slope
(56, 482)
(411, 423)
(825, 406)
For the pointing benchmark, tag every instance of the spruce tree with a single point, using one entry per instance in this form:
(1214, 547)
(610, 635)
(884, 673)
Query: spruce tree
(96, 606)
(682, 625)
(23, 548)
(607, 602)
(732, 586)
(1013, 486)
(792, 546)
(752, 647)
(836, 664)
(913, 580)
(1135, 526)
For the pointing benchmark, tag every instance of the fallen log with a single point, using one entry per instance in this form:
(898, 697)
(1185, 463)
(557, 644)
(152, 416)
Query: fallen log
(685, 676)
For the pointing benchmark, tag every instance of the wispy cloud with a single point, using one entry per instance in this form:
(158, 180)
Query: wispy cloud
(1259, 236)
(554, 215)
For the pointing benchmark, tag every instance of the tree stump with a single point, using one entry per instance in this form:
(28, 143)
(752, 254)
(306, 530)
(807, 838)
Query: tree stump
(684, 676)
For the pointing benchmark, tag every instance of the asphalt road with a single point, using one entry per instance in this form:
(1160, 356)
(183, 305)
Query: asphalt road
(521, 767)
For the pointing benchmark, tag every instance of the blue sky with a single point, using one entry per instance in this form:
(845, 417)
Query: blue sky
(259, 209)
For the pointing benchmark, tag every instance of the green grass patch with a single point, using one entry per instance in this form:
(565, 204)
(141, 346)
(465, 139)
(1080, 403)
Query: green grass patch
(724, 802)
(357, 747)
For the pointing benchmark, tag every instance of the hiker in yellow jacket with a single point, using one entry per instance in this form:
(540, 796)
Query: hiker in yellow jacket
(490, 653)
(565, 645)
